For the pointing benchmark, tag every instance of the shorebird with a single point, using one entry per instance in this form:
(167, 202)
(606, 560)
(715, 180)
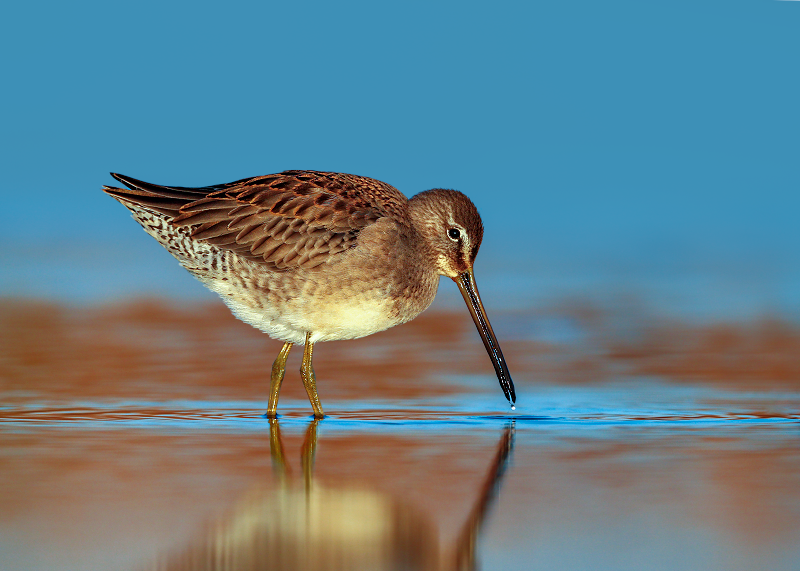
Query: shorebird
(309, 256)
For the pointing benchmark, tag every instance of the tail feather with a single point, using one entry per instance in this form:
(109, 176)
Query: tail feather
(152, 202)
(166, 200)
(178, 191)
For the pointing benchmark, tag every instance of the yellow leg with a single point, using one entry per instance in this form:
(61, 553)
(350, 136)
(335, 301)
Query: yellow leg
(309, 380)
(278, 370)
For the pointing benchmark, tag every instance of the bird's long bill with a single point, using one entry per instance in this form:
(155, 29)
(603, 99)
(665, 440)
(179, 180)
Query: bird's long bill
(466, 283)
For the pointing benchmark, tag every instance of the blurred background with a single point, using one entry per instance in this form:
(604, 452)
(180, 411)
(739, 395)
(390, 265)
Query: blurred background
(613, 149)
(636, 168)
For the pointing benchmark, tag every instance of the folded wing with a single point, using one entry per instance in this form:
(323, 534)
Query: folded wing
(286, 220)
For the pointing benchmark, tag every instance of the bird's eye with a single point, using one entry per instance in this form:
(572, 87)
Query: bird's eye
(454, 233)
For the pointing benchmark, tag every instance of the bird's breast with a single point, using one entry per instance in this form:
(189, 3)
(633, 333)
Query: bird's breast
(376, 285)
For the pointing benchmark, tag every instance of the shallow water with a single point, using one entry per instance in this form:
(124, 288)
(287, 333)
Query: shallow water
(133, 437)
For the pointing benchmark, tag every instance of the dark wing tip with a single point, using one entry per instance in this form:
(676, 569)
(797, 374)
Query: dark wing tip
(130, 182)
(163, 200)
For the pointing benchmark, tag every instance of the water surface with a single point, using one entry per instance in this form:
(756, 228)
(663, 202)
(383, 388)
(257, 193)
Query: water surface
(133, 437)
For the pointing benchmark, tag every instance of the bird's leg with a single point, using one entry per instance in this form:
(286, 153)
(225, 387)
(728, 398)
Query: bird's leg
(275, 380)
(309, 380)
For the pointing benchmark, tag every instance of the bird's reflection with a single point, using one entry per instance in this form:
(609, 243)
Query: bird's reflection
(304, 525)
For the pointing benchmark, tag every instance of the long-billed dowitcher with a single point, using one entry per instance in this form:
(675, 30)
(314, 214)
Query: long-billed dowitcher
(309, 256)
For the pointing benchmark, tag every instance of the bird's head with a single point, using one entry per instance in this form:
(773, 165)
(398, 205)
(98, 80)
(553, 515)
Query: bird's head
(452, 231)
(450, 227)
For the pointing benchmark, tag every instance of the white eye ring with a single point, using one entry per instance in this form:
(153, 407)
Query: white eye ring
(454, 234)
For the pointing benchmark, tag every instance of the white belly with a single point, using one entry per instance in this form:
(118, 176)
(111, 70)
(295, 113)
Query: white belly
(330, 317)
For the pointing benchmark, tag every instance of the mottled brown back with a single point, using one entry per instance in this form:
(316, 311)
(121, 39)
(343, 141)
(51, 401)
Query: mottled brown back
(287, 220)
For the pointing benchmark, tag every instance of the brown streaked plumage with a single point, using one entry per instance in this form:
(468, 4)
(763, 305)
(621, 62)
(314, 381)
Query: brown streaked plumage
(310, 256)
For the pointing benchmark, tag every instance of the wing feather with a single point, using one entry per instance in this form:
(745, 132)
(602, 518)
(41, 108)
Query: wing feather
(282, 221)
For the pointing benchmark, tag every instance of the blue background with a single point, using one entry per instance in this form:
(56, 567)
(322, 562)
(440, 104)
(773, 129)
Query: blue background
(613, 148)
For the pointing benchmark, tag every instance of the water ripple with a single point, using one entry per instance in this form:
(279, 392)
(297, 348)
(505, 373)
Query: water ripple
(549, 406)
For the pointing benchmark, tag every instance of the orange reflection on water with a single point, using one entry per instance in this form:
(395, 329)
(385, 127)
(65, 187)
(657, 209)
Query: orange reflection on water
(118, 449)
(89, 498)
(155, 349)
(300, 523)
(764, 353)
(145, 348)
(128, 497)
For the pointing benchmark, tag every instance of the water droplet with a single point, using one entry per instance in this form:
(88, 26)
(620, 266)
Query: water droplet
(513, 407)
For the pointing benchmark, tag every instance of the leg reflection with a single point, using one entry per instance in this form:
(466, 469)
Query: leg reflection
(308, 452)
(279, 465)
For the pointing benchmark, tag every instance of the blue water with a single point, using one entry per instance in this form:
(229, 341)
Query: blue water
(646, 403)
(614, 476)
